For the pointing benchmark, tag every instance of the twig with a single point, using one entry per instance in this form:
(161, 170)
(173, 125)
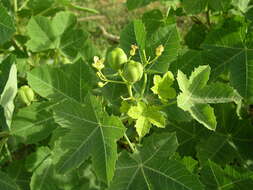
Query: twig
(88, 18)
(108, 35)
(85, 9)
(129, 143)
(196, 20)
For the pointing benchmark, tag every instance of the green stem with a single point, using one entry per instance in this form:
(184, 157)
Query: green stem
(145, 58)
(152, 61)
(15, 4)
(85, 9)
(130, 91)
(8, 151)
(113, 81)
(144, 84)
(129, 143)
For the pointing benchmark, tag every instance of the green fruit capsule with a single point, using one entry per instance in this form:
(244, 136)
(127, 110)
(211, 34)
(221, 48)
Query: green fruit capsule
(26, 94)
(117, 58)
(132, 71)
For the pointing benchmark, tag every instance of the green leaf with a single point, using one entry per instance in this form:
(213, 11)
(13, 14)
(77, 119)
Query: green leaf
(142, 126)
(226, 50)
(198, 6)
(220, 5)
(162, 86)
(42, 178)
(7, 27)
(58, 33)
(195, 36)
(70, 82)
(187, 60)
(215, 177)
(6, 183)
(174, 113)
(92, 133)
(196, 96)
(8, 79)
(152, 168)
(33, 123)
(133, 33)
(242, 5)
(45, 177)
(63, 21)
(194, 6)
(42, 36)
(190, 163)
(35, 159)
(146, 115)
(72, 41)
(140, 33)
(153, 20)
(168, 36)
(38, 6)
(17, 172)
(230, 143)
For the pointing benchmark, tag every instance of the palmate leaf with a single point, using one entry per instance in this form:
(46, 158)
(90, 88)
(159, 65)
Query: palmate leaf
(45, 33)
(231, 142)
(189, 135)
(197, 95)
(46, 178)
(92, 133)
(152, 168)
(70, 82)
(7, 27)
(146, 115)
(6, 183)
(162, 86)
(215, 177)
(33, 123)
(226, 49)
(197, 6)
(58, 33)
(168, 36)
(17, 172)
(40, 31)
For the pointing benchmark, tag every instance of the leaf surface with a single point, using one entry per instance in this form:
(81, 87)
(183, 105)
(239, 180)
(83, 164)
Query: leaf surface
(92, 133)
(197, 95)
(7, 27)
(152, 168)
(7, 183)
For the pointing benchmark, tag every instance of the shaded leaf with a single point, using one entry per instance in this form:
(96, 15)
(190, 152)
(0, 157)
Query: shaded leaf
(152, 168)
(33, 123)
(92, 133)
(7, 27)
(7, 183)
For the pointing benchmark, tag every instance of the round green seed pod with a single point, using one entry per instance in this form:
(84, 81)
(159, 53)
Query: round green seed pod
(26, 94)
(132, 71)
(116, 58)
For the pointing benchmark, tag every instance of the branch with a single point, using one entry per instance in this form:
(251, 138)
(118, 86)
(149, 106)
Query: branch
(88, 18)
(108, 35)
